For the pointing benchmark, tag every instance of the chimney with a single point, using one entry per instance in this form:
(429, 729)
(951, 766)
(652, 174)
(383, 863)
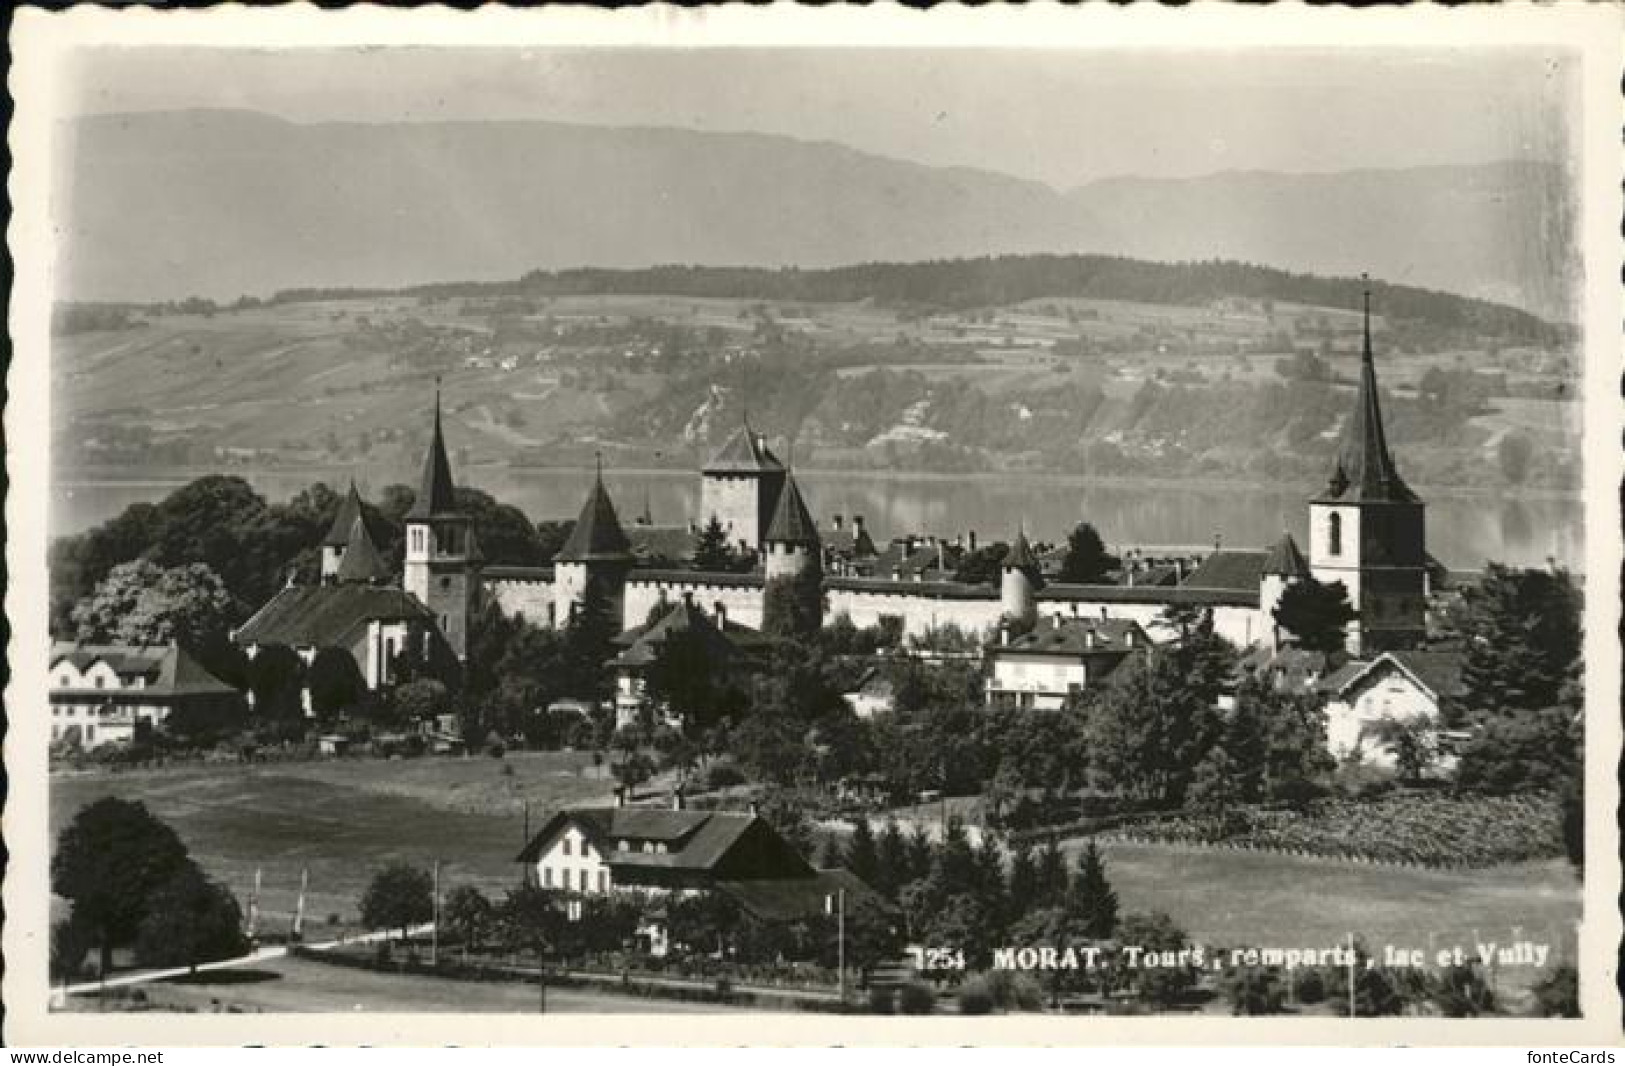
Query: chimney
(620, 795)
(1004, 635)
(972, 540)
(677, 798)
(857, 525)
(1218, 540)
(1128, 572)
(1089, 638)
(1128, 636)
(688, 597)
(755, 809)
(721, 613)
(942, 555)
(838, 521)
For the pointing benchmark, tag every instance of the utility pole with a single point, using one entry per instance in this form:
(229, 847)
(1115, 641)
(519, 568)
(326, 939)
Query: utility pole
(254, 906)
(299, 907)
(840, 941)
(1353, 958)
(434, 925)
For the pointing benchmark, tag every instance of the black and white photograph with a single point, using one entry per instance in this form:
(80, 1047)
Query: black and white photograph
(966, 523)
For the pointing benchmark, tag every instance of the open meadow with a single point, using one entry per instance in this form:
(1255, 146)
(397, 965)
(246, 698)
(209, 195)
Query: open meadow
(343, 820)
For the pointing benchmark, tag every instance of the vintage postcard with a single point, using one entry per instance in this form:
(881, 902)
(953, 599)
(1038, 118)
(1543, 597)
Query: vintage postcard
(814, 526)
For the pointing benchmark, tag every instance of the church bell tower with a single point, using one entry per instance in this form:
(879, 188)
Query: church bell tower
(1367, 528)
(442, 558)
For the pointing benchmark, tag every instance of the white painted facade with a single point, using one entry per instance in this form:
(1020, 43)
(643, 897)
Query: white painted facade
(734, 500)
(571, 863)
(1036, 682)
(1385, 692)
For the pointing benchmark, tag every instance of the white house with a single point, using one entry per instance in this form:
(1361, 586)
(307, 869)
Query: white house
(1399, 686)
(1060, 657)
(108, 693)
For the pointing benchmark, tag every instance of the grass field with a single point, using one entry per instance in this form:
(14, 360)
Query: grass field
(342, 821)
(297, 985)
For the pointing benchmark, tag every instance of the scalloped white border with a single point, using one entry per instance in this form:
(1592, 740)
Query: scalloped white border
(40, 42)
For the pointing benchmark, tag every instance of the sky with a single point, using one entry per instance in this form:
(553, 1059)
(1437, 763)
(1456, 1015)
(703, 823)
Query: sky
(1061, 117)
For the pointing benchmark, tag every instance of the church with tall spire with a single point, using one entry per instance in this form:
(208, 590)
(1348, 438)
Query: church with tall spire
(442, 557)
(1367, 529)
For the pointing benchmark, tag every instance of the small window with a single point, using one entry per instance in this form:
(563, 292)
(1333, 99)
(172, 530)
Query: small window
(445, 583)
(567, 845)
(100, 680)
(547, 877)
(1335, 535)
(603, 880)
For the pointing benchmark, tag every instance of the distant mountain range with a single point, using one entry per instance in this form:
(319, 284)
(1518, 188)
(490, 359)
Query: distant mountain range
(162, 205)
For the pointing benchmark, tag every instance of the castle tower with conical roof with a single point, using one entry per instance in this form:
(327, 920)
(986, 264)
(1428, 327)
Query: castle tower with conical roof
(1284, 567)
(791, 545)
(1019, 578)
(594, 560)
(442, 561)
(338, 535)
(740, 488)
(1367, 530)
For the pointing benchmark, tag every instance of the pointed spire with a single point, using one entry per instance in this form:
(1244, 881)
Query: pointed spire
(437, 494)
(792, 522)
(1364, 470)
(597, 536)
(361, 562)
(338, 534)
(1285, 560)
(1020, 555)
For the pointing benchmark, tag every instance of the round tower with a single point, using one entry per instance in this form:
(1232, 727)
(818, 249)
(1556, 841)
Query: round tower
(1284, 567)
(1018, 583)
(593, 562)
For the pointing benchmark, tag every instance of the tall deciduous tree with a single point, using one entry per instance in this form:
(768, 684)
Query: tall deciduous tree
(110, 863)
(190, 920)
(1317, 615)
(335, 682)
(398, 897)
(140, 602)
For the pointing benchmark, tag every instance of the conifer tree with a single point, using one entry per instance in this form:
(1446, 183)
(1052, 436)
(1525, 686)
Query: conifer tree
(1022, 887)
(862, 855)
(1051, 880)
(1093, 901)
(892, 866)
(711, 551)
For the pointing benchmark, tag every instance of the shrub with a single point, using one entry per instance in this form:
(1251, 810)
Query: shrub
(1310, 987)
(724, 776)
(975, 997)
(882, 1000)
(1557, 995)
(916, 997)
(1015, 991)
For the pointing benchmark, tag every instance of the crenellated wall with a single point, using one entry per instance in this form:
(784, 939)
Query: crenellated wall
(739, 595)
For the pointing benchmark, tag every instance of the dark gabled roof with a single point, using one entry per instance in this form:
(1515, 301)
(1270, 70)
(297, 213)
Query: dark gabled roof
(792, 524)
(349, 510)
(790, 898)
(1438, 671)
(1237, 571)
(642, 643)
(597, 535)
(675, 543)
(744, 452)
(846, 543)
(361, 561)
(694, 840)
(898, 561)
(324, 616)
(1285, 559)
(169, 670)
(1072, 636)
(437, 493)
(1163, 594)
(1364, 471)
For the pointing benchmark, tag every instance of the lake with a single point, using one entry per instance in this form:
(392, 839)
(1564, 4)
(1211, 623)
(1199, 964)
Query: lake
(1463, 530)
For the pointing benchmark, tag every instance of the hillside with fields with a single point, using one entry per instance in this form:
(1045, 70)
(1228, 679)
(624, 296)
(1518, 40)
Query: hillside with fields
(1071, 365)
